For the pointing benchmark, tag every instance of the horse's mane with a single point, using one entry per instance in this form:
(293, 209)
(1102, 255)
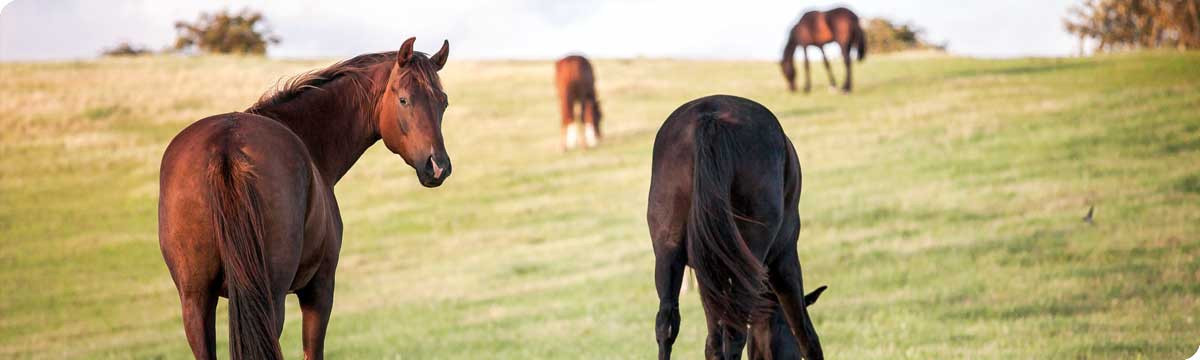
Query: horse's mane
(356, 70)
(353, 69)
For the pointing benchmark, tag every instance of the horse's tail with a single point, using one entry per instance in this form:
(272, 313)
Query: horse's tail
(730, 278)
(860, 42)
(236, 206)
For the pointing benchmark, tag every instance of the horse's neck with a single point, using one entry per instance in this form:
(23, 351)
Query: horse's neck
(335, 127)
(789, 50)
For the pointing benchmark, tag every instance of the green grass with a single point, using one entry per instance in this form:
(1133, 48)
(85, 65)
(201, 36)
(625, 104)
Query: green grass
(942, 205)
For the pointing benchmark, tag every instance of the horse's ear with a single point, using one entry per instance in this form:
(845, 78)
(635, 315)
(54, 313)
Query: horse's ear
(439, 59)
(811, 298)
(405, 52)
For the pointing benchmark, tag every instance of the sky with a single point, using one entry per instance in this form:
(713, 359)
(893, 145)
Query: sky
(528, 29)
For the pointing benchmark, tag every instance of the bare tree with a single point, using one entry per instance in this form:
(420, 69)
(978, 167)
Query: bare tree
(1134, 24)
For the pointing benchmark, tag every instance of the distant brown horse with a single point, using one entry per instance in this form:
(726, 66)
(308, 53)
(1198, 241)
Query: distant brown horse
(817, 28)
(577, 85)
(246, 204)
(724, 197)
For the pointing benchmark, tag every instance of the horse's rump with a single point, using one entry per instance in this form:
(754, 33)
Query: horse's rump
(574, 78)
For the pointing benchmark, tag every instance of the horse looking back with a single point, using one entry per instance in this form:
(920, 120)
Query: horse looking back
(817, 28)
(246, 203)
(724, 197)
(576, 83)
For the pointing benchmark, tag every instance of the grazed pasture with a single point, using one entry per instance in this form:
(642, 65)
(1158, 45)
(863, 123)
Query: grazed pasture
(942, 204)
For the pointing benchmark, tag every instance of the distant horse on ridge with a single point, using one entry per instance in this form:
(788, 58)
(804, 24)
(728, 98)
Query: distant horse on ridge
(817, 28)
(576, 84)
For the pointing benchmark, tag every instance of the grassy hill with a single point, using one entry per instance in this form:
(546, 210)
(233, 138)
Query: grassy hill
(942, 205)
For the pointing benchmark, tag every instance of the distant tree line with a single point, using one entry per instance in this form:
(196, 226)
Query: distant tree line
(884, 36)
(1134, 24)
(222, 32)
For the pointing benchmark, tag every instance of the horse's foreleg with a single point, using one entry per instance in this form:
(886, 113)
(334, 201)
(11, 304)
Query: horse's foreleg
(788, 285)
(316, 302)
(828, 69)
(807, 77)
(199, 322)
(724, 341)
(570, 131)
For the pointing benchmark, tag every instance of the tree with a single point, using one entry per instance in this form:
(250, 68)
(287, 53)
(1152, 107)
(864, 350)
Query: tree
(222, 32)
(885, 36)
(1133, 24)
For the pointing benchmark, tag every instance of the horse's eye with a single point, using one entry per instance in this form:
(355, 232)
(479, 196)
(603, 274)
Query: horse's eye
(404, 101)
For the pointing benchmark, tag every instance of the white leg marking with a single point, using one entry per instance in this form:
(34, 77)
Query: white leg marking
(572, 135)
(590, 135)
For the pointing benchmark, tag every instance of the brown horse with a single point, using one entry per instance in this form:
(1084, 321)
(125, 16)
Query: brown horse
(817, 28)
(576, 84)
(724, 197)
(246, 204)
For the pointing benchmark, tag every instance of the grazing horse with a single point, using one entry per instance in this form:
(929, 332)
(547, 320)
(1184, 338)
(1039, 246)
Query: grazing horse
(246, 205)
(576, 84)
(817, 28)
(724, 192)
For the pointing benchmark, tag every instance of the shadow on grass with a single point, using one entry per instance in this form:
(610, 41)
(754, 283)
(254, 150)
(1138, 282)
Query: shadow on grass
(1022, 69)
(796, 112)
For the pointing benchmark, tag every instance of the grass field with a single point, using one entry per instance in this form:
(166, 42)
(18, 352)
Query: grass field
(942, 205)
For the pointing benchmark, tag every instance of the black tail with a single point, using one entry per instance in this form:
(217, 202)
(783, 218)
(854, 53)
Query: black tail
(860, 42)
(236, 214)
(730, 278)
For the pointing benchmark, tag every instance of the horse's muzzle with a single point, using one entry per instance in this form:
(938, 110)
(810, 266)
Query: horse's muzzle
(435, 171)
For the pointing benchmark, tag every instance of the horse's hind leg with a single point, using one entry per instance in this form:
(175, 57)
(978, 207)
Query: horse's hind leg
(199, 322)
(666, 231)
(828, 69)
(668, 275)
(316, 302)
(846, 59)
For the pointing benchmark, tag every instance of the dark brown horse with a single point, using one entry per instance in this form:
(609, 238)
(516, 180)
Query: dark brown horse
(576, 84)
(246, 204)
(724, 192)
(817, 28)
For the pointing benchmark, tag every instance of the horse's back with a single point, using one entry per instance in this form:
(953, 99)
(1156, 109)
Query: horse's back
(822, 27)
(275, 163)
(841, 13)
(843, 23)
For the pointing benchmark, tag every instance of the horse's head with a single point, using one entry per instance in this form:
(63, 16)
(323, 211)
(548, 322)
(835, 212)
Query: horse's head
(789, 73)
(411, 113)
